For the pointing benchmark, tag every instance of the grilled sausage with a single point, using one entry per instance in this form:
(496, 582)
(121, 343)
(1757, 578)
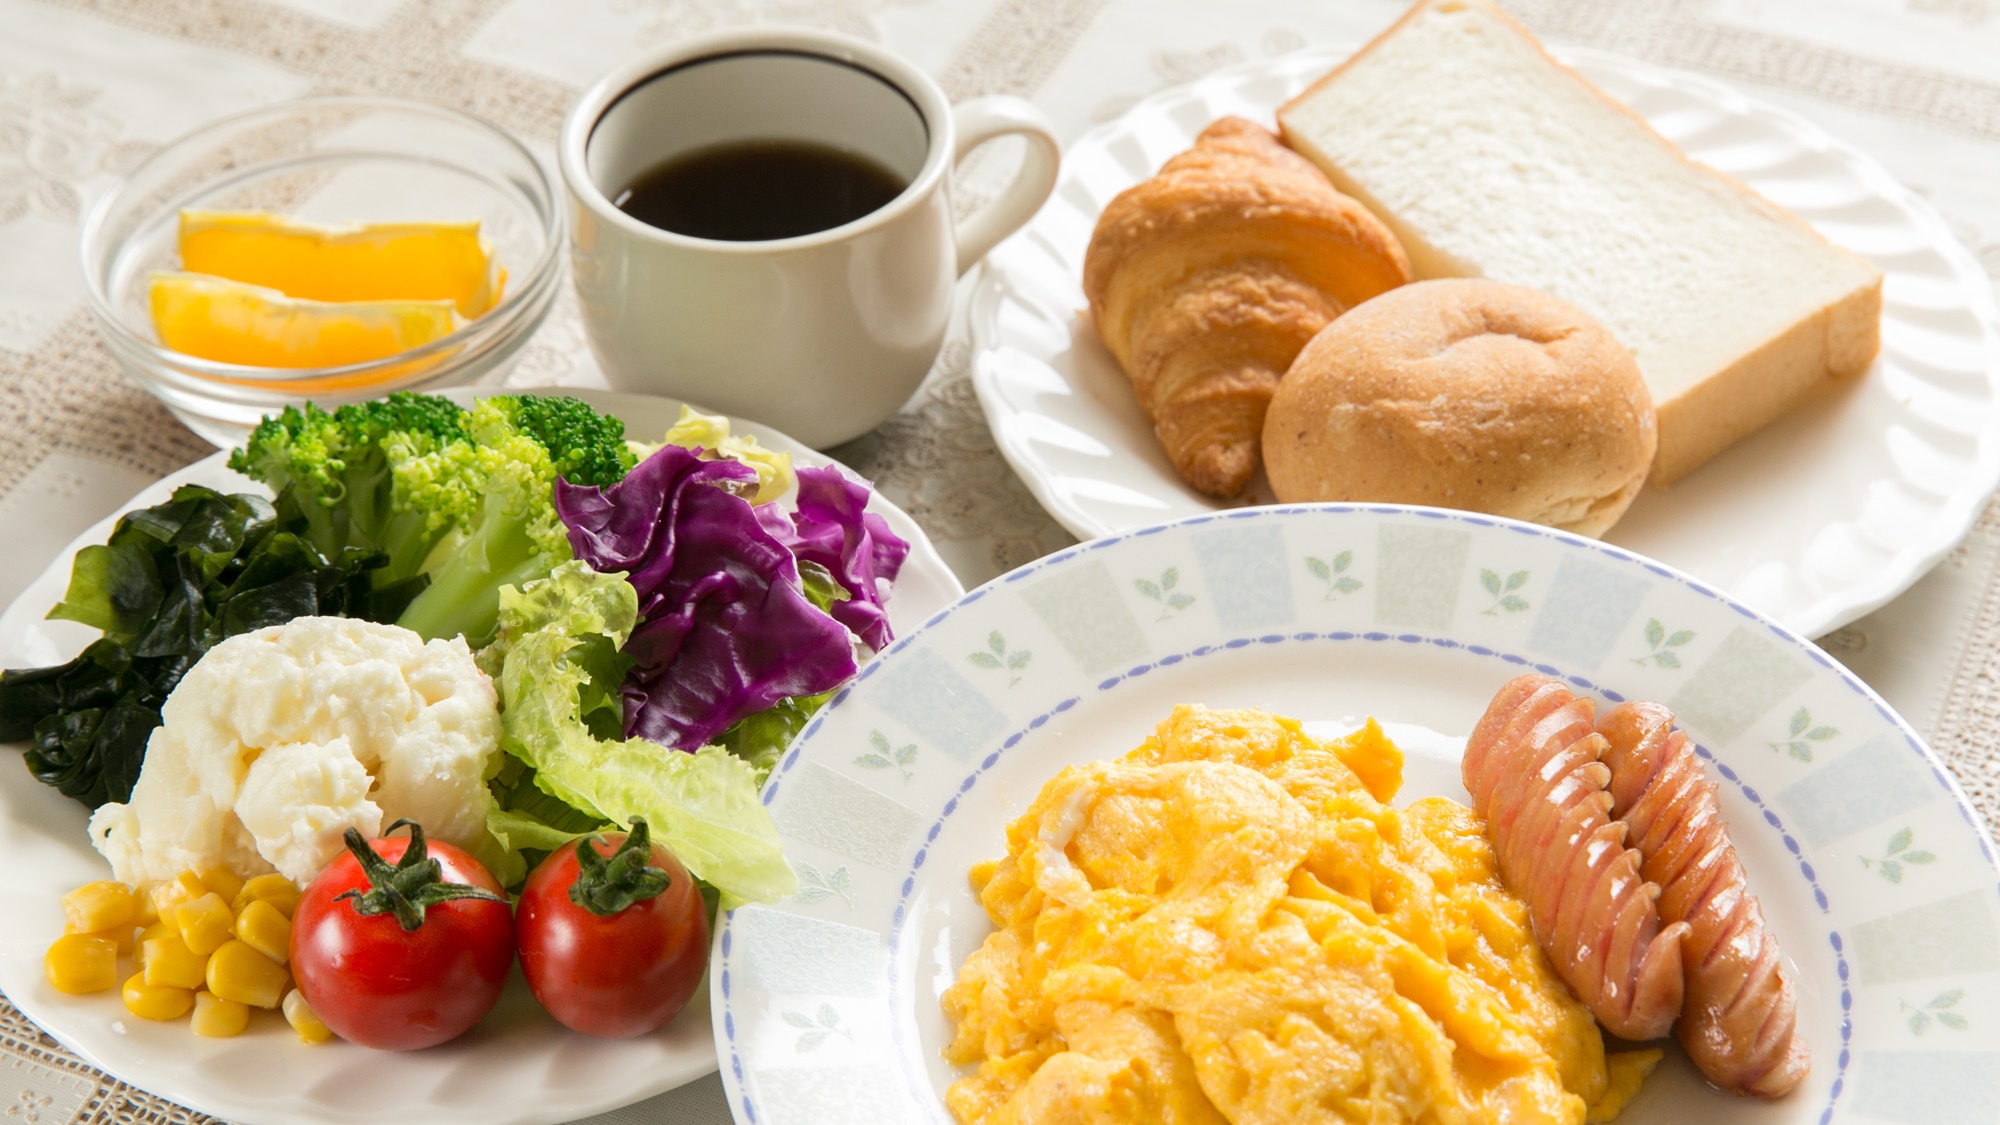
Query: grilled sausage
(1532, 768)
(1739, 1023)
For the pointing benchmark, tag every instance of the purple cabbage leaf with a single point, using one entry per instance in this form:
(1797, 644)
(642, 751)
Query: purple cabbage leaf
(725, 628)
(833, 529)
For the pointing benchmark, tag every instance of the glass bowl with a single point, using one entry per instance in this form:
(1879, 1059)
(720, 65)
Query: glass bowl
(327, 160)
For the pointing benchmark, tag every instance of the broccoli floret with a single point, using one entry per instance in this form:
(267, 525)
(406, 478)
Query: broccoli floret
(461, 499)
(506, 531)
(501, 497)
(336, 470)
(585, 446)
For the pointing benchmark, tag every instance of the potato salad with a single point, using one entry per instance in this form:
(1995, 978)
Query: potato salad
(278, 741)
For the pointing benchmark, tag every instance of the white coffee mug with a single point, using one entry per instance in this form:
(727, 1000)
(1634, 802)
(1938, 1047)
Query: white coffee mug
(823, 335)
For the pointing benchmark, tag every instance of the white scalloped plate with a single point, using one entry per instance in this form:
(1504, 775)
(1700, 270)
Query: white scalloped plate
(517, 1067)
(1816, 520)
(1874, 874)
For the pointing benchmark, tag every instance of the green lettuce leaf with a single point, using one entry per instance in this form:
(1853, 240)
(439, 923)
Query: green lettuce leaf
(760, 738)
(522, 832)
(821, 587)
(528, 823)
(703, 806)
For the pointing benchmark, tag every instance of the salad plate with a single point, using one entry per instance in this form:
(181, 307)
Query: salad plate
(1876, 877)
(1815, 520)
(517, 1067)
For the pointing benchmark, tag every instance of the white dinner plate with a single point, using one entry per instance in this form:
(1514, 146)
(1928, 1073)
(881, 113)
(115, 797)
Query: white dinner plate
(518, 1067)
(1875, 875)
(1819, 518)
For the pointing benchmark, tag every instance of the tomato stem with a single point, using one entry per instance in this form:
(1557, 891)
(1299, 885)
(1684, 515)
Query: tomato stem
(606, 885)
(414, 882)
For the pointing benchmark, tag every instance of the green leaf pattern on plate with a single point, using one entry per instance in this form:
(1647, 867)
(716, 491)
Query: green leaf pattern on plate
(1171, 601)
(1940, 1010)
(1801, 733)
(883, 758)
(816, 1027)
(1334, 574)
(1897, 855)
(1505, 600)
(998, 658)
(1663, 644)
(814, 886)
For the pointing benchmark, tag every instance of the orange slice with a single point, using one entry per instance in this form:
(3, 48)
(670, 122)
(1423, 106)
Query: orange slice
(230, 322)
(354, 262)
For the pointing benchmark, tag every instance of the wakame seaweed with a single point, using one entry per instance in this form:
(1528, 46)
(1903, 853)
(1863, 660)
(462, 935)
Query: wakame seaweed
(172, 581)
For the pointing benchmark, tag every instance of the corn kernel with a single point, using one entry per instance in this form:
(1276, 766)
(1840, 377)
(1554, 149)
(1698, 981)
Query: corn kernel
(120, 936)
(156, 1002)
(312, 1030)
(262, 928)
(157, 929)
(274, 889)
(145, 911)
(222, 881)
(240, 973)
(203, 923)
(99, 906)
(168, 962)
(81, 963)
(218, 1018)
(185, 887)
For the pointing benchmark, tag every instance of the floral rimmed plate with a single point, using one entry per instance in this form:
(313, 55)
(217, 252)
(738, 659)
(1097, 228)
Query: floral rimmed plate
(518, 1067)
(1874, 873)
(1819, 518)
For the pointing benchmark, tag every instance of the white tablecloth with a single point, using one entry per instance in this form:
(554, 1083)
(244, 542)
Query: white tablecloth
(88, 88)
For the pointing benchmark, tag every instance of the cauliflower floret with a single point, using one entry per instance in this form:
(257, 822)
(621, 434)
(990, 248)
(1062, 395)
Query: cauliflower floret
(278, 741)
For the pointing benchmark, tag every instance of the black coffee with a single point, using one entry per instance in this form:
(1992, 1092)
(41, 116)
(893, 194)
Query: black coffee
(753, 191)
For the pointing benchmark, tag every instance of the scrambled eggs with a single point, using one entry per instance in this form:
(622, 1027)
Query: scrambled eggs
(1231, 924)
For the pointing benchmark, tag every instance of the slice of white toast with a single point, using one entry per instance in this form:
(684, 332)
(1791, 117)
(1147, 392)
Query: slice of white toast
(1490, 159)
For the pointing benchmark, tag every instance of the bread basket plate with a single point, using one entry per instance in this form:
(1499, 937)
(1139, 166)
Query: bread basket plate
(1874, 873)
(518, 1066)
(1815, 520)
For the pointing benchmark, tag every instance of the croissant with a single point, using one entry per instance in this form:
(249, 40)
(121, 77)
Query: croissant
(1206, 280)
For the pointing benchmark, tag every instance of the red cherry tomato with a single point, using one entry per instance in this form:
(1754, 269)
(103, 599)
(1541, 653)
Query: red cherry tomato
(620, 973)
(378, 983)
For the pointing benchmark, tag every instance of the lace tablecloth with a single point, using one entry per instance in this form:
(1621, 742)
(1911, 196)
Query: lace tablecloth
(88, 88)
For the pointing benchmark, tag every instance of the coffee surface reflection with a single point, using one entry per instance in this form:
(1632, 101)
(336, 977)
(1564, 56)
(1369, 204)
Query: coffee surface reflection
(755, 191)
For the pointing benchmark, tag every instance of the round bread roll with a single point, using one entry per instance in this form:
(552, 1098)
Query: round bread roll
(1465, 394)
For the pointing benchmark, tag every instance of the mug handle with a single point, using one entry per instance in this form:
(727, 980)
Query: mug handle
(981, 120)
